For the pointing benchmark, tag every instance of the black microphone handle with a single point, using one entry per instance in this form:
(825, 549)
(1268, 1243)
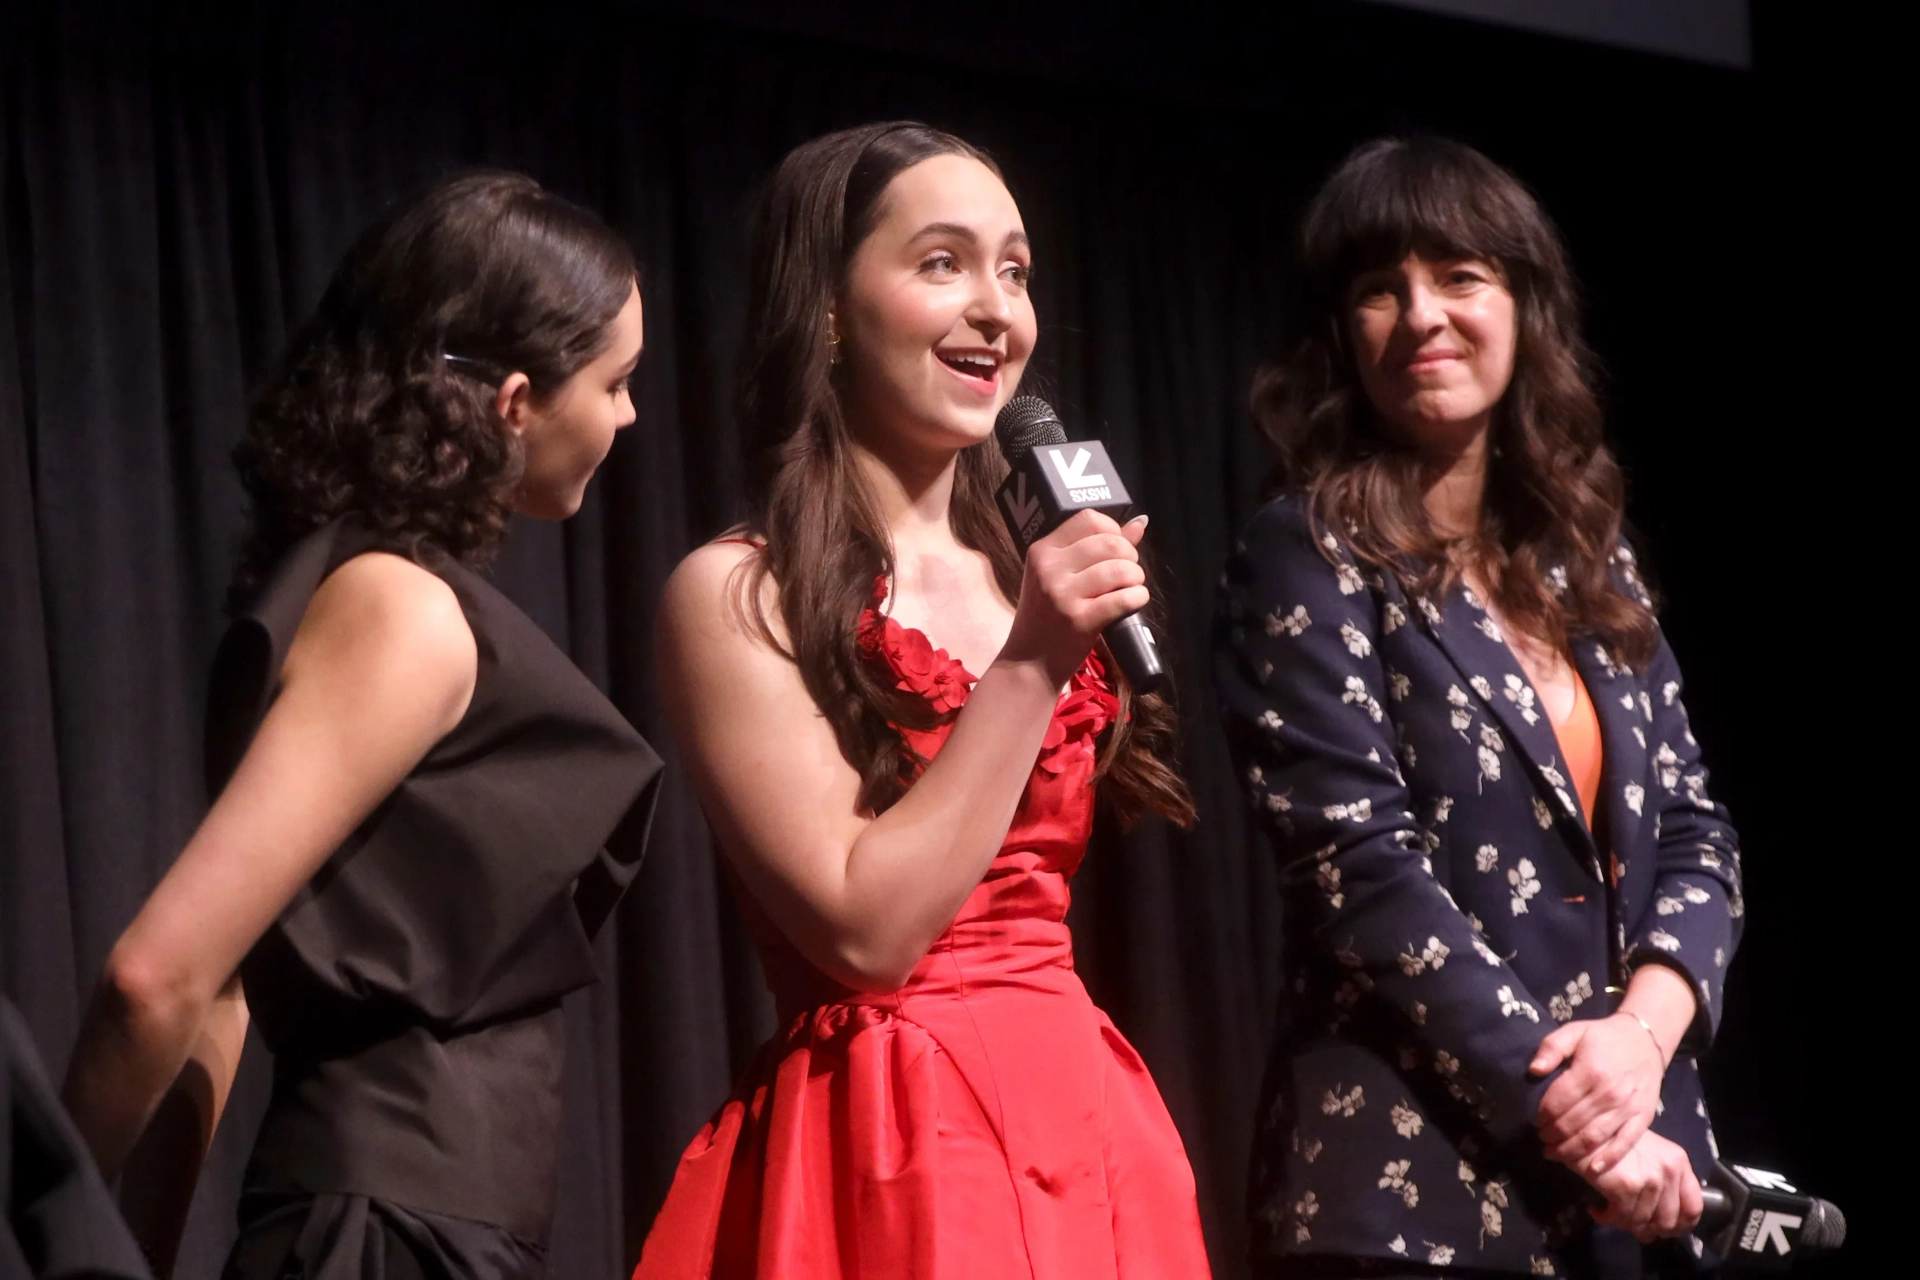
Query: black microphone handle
(1131, 642)
(1716, 1210)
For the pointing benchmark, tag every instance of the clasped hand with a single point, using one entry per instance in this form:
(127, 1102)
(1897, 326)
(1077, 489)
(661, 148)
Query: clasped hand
(1594, 1119)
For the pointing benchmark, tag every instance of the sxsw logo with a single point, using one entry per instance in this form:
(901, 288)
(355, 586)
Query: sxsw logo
(1023, 508)
(1083, 487)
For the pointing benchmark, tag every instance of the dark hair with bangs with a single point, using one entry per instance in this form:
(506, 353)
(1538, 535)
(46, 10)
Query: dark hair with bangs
(824, 541)
(1552, 514)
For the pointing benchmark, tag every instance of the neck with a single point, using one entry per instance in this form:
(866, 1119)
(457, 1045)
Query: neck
(1456, 486)
(913, 489)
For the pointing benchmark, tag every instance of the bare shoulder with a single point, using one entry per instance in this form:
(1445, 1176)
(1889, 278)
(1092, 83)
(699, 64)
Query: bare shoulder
(382, 614)
(710, 597)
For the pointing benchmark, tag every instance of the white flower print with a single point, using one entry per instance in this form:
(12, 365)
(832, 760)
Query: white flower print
(1520, 694)
(1525, 885)
(1511, 1004)
(1329, 879)
(1695, 894)
(1626, 700)
(1467, 1176)
(1255, 775)
(1491, 739)
(1719, 957)
(1290, 623)
(1398, 1244)
(1490, 629)
(1304, 1210)
(1486, 858)
(1438, 1255)
(1489, 1218)
(1557, 578)
(1640, 737)
(1497, 1195)
(1579, 991)
(1418, 1014)
(1664, 940)
(1392, 618)
(1646, 707)
(1446, 1064)
(1428, 610)
(1540, 1266)
(1393, 1177)
(1482, 687)
(1636, 796)
(1279, 802)
(1398, 686)
(1436, 954)
(1359, 811)
(1489, 764)
(1486, 952)
(1667, 761)
(1345, 1105)
(1270, 720)
(1669, 691)
(1406, 1121)
(1605, 659)
(1668, 906)
(1357, 693)
(1542, 814)
(1350, 579)
(1357, 643)
(1311, 1150)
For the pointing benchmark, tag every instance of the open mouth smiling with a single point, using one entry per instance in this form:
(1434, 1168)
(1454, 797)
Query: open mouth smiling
(979, 367)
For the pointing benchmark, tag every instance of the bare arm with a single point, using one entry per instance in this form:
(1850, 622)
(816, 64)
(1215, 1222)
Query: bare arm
(864, 897)
(381, 668)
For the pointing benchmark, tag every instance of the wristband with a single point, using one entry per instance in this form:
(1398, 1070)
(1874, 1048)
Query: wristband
(1658, 1049)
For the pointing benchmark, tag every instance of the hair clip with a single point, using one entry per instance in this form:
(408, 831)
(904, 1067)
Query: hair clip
(486, 370)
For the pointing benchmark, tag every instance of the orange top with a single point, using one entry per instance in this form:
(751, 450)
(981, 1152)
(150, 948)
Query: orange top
(1579, 738)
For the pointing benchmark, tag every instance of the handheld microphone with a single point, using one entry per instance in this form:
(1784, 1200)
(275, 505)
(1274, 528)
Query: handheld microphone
(1758, 1221)
(1051, 479)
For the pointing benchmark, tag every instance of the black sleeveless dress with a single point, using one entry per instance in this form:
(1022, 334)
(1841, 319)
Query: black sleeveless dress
(411, 991)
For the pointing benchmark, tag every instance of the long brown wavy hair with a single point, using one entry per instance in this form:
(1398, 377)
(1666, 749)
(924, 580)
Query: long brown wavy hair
(368, 414)
(1552, 514)
(825, 541)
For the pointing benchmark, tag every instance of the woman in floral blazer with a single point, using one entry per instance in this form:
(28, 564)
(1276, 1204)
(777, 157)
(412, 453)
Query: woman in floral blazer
(1509, 899)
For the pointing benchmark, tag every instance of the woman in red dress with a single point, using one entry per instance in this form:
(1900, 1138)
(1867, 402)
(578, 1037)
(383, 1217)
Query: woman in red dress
(941, 1098)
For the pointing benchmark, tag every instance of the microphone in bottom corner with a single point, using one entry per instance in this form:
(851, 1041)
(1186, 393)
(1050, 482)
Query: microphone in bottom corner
(1758, 1221)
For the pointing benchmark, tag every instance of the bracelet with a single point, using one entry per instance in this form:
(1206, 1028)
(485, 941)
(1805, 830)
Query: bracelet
(1658, 1049)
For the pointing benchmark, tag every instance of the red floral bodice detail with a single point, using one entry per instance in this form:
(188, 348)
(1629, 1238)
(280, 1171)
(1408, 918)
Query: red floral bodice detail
(1082, 714)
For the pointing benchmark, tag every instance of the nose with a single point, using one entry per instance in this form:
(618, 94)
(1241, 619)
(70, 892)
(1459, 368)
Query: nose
(990, 311)
(1422, 313)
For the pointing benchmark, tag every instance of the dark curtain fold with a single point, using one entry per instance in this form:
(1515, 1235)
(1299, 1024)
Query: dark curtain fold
(176, 186)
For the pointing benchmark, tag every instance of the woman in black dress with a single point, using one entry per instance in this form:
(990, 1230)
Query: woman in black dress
(424, 810)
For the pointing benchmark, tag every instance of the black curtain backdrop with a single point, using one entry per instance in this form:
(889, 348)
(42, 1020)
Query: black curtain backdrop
(175, 183)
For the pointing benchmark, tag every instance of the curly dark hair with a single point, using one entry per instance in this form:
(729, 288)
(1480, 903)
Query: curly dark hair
(383, 403)
(825, 543)
(1554, 497)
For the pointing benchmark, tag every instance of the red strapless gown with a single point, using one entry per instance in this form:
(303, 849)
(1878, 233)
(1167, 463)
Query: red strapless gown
(984, 1121)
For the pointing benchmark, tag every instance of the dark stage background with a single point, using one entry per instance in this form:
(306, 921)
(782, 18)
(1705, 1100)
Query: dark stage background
(175, 184)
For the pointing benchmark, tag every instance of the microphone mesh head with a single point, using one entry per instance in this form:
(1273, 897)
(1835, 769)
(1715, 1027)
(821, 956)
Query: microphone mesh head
(1025, 422)
(1826, 1227)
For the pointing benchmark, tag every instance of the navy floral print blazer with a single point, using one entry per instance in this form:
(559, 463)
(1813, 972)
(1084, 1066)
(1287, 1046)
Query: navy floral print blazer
(1445, 905)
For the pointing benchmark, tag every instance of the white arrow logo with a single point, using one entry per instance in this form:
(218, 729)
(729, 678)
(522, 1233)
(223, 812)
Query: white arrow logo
(1071, 475)
(1773, 1232)
(1022, 506)
(1764, 1179)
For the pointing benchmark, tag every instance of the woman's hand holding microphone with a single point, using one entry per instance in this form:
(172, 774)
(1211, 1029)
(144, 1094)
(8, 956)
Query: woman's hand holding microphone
(1595, 1118)
(1081, 577)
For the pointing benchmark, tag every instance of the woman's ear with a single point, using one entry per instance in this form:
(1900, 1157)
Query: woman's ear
(514, 402)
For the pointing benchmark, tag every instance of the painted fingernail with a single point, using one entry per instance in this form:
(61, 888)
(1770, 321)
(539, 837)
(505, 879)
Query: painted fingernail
(1139, 520)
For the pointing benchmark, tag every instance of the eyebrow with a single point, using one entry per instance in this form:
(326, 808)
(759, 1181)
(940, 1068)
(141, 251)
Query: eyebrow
(962, 232)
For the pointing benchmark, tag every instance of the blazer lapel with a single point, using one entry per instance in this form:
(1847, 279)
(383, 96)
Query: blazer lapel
(1473, 642)
(1624, 710)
